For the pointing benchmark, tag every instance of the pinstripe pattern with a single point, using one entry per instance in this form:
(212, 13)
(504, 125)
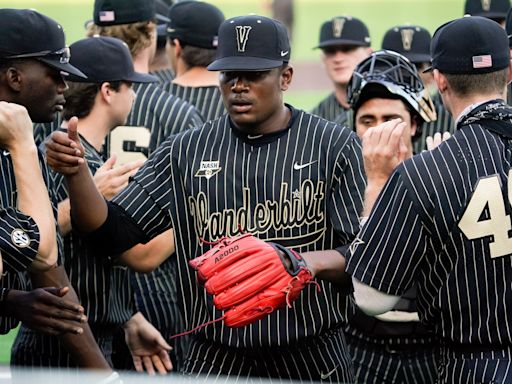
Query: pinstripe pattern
(463, 292)
(444, 123)
(155, 293)
(392, 359)
(43, 130)
(330, 109)
(9, 199)
(322, 358)
(103, 290)
(475, 368)
(165, 76)
(207, 100)
(316, 207)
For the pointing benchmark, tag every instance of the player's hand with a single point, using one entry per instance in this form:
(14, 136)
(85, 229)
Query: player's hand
(149, 350)
(383, 149)
(15, 127)
(45, 310)
(64, 151)
(110, 181)
(437, 139)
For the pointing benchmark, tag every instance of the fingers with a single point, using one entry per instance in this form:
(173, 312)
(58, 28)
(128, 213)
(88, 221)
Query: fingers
(55, 299)
(148, 365)
(158, 364)
(164, 356)
(110, 163)
(137, 363)
(73, 129)
(433, 141)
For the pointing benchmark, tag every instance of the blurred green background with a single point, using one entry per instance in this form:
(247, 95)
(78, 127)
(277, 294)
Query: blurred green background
(379, 15)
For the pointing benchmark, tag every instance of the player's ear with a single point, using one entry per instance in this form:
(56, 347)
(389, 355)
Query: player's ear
(510, 68)
(440, 80)
(13, 78)
(286, 77)
(106, 92)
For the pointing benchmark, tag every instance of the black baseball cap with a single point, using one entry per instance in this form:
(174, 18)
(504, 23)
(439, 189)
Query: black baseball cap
(469, 45)
(508, 27)
(411, 41)
(106, 59)
(344, 30)
(25, 33)
(251, 43)
(115, 12)
(492, 9)
(195, 23)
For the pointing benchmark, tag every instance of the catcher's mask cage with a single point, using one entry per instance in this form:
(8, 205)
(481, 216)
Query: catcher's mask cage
(398, 76)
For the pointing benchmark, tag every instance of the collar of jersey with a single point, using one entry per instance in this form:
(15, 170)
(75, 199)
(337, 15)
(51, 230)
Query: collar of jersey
(265, 139)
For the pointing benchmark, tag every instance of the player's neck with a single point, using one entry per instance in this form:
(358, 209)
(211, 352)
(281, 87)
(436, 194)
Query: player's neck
(159, 62)
(141, 61)
(195, 77)
(456, 105)
(340, 91)
(94, 128)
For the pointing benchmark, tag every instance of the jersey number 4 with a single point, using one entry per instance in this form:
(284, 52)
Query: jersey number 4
(488, 194)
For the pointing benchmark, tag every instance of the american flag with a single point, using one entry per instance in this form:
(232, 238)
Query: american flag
(483, 61)
(107, 16)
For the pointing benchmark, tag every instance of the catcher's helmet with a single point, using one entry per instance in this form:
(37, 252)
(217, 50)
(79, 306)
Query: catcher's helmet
(388, 72)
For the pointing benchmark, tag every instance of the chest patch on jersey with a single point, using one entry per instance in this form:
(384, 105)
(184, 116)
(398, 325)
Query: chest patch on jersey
(20, 239)
(208, 169)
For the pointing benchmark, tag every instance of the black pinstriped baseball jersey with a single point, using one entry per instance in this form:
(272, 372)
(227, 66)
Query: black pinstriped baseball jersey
(443, 123)
(16, 260)
(301, 187)
(443, 221)
(330, 109)
(207, 100)
(164, 76)
(103, 290)
(43, 130)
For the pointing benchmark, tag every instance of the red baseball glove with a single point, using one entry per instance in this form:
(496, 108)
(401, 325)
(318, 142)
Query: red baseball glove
(250, 278)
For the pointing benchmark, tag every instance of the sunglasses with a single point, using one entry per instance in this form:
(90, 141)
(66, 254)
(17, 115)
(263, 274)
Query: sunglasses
(63, 55)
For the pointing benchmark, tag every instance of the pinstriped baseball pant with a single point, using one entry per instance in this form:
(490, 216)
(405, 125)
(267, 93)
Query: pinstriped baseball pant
(492, 366)
(390, 361)
(322, 358)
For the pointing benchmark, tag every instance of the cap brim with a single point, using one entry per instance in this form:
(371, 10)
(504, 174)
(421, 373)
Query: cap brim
(245, 63)
(137, 77)
(417, 58)
(65, 69)
(337, 42)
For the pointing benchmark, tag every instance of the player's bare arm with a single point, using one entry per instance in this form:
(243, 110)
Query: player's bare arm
(64, 154)
(147, 257)
(33, 200)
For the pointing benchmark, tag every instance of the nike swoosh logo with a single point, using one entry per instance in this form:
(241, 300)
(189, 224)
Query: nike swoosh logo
(284, 53)
(324, 376)
(254, 137)
(298, 166)
(6, 153)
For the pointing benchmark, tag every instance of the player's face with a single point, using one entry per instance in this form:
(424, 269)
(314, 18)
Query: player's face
(377, 111)
(122, 102)
(427, 78)
(341, 60)
(252, 98)
(41, 91)
(170, 49)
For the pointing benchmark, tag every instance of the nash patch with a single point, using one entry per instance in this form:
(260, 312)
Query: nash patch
(208, 169)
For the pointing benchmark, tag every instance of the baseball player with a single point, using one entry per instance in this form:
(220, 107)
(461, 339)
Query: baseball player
(414, 43)
(34, 61)
(192, 44)
(344, 41)
(102, 103)
(441, 222)
(395, 347)
(265, 168)
(155, 115)
(492, 9)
